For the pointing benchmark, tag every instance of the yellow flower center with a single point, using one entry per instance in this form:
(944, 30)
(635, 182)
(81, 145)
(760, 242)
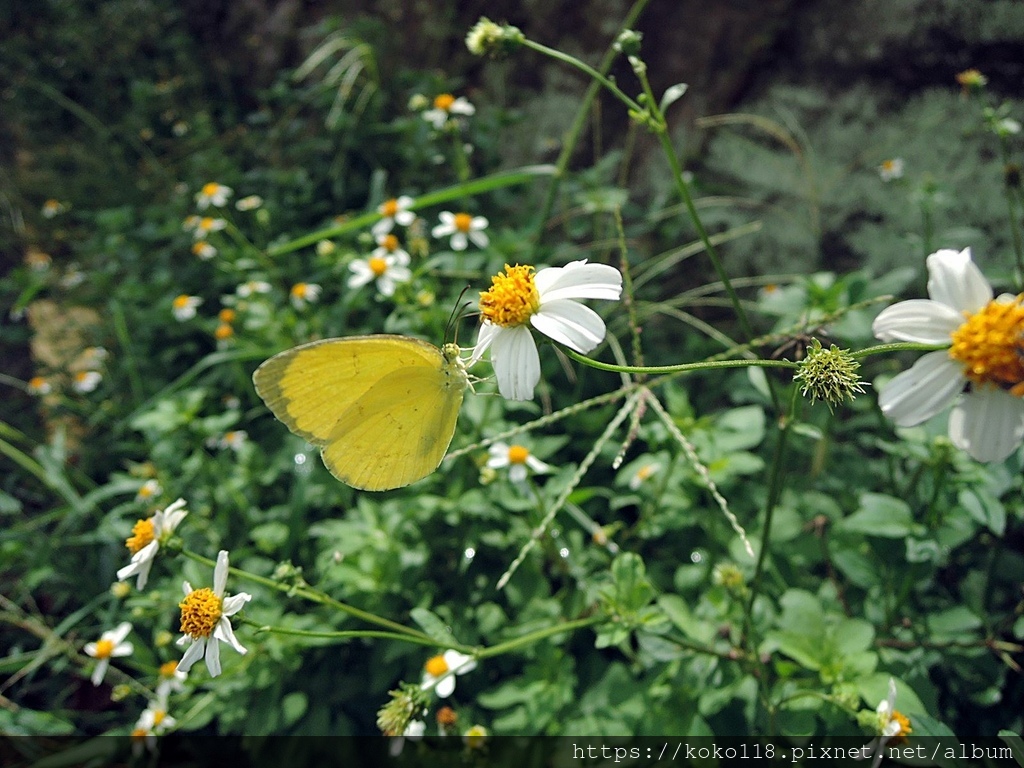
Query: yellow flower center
(37, 382)
(104, 648)
(988, 345)
(517, 454)
(158, 717)
(182, 301)
(389, 243)
(444, 101)
(377, 265)
(206, 223)
(436, 666)
(200, 612)
(139, 734)
(210, 189)
(223, 332)
(167, 670)
(463, 222)
(512, 297)
(389, 208)
(905, 729)
(646, 471)
(142, 534)
(227, 315)
(888, 165)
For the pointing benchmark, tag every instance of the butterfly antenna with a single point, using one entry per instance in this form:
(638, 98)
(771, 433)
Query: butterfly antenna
(457, 313)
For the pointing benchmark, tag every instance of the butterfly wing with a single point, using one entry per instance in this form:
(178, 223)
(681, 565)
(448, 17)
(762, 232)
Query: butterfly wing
(382, 408)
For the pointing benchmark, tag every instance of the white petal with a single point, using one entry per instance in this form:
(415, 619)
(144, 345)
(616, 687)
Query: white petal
(186, 588)
(517, 473)
(536, 464)
(90, 649)
(480, 239)
(234, 603)
(100, 672)
(459, 663)
(383, 226)
(144, 569)
(192, 655)
(223, 631)
(516, 362)
(459, 241)
(988, 423)
(579, 280)
(917, 394)
(361, 276)
(920, 320)
(385, 285)
(484, 337)
(478, 222)
(445, 686)
(498, 458)
(122, 649)
(442, 230)
(569, 323)
(213, 655)
(220, 573)
(120, 632)
(956, 281)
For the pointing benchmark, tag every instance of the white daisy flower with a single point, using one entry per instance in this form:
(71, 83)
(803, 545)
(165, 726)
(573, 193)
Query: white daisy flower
(110, 645)
(439, 672)
(388, 245)
(642, 474)
(891, 169)
(204, 620)
(547, 301)
(201, 227)
(39, 385)
(395, 210)
(234, 439)
(212, 194)
(154, 718)
(172, 680)
(147, 536)
(517, 458)
(462, 227)
(302, 294)
(984, 358)
(184, 307)
(445, 106)
(252, 287)
(890, 725)
(148, 490)
(203, 250)
(53, 208)
(86, 381)
(249, 203)
(387, 271)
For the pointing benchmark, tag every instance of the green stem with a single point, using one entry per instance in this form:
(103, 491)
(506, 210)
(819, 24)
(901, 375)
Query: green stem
(594, 75)
(681, 368)
(573, 134)
(346, 634)
(774, 493)
(898, 346)
(318, 597)
(540, 634)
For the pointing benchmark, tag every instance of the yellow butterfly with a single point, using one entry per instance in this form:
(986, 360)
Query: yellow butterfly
(381, 408)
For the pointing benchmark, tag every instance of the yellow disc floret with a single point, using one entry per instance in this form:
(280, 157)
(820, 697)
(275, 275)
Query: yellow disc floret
(200, 612)
(377, 265)
(988, 345)
(444, 101)
(104, 648)
(463, 222)
(517, 454)
(436, 666)
(167, 670)
(512, 298)
(142, 534)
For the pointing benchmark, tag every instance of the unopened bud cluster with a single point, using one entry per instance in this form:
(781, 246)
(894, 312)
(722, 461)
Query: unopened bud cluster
(829, 375)
(486, 38)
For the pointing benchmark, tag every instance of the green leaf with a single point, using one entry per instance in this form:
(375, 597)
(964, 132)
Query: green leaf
(879, 515)
(957, 623)
(985, 509)
(432, 624)
(293, 707)
(1016, 744)
(632, 590)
